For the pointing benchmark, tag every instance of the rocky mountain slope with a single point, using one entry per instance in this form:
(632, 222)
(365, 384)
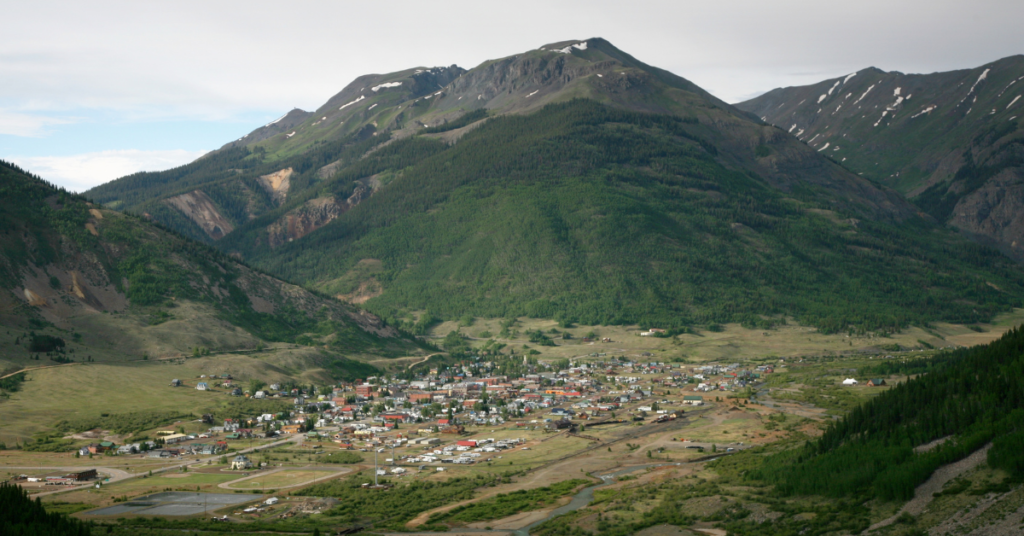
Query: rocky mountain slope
(574, 181)
(113, 286)
(952, 142)
(207, 199)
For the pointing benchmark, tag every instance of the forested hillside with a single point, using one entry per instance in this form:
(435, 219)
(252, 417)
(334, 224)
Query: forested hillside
(21, 516)
(570, 181)
(229, 185)
(68, 263)
(601, 215)
(973, 396)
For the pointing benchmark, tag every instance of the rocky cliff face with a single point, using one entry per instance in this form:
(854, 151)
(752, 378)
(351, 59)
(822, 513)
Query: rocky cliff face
(994, 213)
(198, 207)
(312, 215)
(276, 184)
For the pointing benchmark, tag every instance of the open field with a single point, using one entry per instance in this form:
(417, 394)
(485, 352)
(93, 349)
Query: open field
(286, 478)
(50, 395)
(791, 404)
(733, 342)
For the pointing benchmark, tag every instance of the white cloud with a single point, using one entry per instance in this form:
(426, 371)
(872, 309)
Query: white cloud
(80, 172)
(27, 125)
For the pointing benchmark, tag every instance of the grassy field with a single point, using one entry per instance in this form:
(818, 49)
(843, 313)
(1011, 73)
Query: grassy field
(286, 478)
(733, 342)
(798, 398)
(90, 390)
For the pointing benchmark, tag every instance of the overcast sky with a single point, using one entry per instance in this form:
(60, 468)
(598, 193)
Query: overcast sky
(91, 91)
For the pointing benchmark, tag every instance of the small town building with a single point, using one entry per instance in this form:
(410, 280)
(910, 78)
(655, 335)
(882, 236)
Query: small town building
(240, 462)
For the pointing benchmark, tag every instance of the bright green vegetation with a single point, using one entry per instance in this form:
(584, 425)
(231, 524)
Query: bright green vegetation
(343, 457)
(21, 516)
(392, 508)
(28, 223)
(975, 395)
(507, 504)
(602, 216)
(12, 383)
(122, 423)
(629, 510)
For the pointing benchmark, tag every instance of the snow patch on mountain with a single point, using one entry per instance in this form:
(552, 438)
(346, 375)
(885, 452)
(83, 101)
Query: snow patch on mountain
(577, 46)
(385, 86)
(927, 110)
(872, 86)
(343, 106)
(983, 76)
(884, 113)
(1012, 82)
(275, 121)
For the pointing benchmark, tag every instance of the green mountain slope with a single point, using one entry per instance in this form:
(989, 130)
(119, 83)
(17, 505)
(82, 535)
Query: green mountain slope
(574, 181)
(114, 285)
(953, 142)
(605, 216)
(274, 165)
(870, 452)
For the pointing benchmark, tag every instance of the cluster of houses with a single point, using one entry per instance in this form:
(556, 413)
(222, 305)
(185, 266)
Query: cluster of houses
(444, 400)
(727, 377)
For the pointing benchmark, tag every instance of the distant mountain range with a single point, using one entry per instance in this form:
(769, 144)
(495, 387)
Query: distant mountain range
(951, 142)
(570, 181)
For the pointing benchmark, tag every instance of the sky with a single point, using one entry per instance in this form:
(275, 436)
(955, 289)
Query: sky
(92, 91)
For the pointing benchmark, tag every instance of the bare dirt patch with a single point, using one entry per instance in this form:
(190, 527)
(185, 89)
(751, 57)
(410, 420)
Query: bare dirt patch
(198, 207)
(923, 495)
(276, 184)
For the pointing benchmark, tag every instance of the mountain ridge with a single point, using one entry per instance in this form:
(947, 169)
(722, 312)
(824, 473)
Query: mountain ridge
(116, 280)
(410, 201)
(950, 141)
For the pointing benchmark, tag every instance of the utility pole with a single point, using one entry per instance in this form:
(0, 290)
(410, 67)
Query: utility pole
(374, 467)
